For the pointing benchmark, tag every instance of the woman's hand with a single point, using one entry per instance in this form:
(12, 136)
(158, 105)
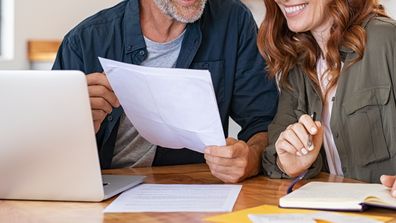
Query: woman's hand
(389, 181)
(296, 151)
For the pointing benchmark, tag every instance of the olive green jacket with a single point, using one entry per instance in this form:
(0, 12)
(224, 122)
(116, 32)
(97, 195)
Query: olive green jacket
(363, 120)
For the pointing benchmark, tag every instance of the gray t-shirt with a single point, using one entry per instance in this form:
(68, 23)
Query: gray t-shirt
(132, 150)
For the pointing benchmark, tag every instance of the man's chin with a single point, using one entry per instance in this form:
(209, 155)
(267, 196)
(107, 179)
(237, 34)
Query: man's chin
(185, 14)
(187, 19)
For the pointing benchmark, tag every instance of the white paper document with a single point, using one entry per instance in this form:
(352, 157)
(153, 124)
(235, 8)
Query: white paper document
(176, 198)
(172, 108)
(281, 218)
(311, 218)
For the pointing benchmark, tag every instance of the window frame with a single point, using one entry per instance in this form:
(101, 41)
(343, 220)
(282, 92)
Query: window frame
(7, 14)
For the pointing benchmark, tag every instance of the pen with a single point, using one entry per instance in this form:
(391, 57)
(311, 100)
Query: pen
(310, 143)
(295, 181)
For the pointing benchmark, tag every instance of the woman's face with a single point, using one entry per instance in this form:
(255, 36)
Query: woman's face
(304, 15)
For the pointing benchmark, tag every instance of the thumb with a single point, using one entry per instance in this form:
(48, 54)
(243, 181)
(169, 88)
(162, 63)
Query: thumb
(231, 141)
(388, 180)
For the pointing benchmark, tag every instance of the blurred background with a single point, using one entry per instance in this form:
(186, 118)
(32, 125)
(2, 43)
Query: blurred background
(31, 30)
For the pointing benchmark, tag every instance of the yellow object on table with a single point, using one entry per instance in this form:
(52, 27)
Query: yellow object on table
(242, 216)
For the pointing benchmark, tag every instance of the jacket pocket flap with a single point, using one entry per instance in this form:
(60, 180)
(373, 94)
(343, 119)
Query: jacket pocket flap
(366, 97)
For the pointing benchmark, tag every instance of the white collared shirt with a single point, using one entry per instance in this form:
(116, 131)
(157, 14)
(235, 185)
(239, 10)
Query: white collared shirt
(333, 158)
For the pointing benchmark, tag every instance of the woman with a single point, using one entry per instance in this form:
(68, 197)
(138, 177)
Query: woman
(335, 58)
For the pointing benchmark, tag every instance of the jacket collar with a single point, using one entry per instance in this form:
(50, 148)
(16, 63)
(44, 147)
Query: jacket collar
(134, 39)
(133, 35)
(192, 41)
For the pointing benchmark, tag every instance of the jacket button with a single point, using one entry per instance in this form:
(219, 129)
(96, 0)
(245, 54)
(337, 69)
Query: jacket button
(142, 53)
(110, 118)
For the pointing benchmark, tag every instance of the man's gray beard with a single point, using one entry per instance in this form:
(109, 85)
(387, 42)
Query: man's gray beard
(167, 7)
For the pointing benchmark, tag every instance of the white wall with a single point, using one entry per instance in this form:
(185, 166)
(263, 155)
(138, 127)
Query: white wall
(390, 6)
(258, 9)
(47, 19)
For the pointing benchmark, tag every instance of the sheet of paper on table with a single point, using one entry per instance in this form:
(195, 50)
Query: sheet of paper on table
(286, 214)
(176, 198)
(311, 218)
(172, 108)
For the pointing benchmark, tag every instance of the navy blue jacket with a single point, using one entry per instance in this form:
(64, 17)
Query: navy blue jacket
(222, 41)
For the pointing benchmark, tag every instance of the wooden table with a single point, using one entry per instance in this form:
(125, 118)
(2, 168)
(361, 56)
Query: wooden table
(256, 191)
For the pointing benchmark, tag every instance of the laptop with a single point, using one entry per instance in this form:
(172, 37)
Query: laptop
(47, 141)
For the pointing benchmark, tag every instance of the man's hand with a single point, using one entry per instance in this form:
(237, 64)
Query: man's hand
(237, 160)
(389, 181)
(102, 98)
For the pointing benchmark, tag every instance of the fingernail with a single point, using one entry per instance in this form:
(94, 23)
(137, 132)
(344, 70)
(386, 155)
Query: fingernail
(299, 154)
(311, 147)
(304, 151)
(382, 178)
(313, 130)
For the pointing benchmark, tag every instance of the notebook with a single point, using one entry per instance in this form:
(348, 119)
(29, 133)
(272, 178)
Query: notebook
(339, 196)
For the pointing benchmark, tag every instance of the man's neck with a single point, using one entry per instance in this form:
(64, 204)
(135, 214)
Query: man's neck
(156, 25)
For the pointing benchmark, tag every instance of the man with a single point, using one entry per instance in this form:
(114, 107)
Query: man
(218, 35)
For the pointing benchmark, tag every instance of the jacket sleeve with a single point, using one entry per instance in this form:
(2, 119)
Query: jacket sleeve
(254, 97)
(285, 116)
(69, 57)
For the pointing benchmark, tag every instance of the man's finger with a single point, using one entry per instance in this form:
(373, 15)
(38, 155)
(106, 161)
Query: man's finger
(220, 169)
(221, 151)
(227, 175)
(103, 92)
(231, 141)
(219, 160)
(101, 104)
(98, 115)
(97, 126)
(229, 152)
(226, 178)
(98, 79)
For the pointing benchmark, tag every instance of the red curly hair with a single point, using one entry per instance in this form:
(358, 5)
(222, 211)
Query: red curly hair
(283, 49)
